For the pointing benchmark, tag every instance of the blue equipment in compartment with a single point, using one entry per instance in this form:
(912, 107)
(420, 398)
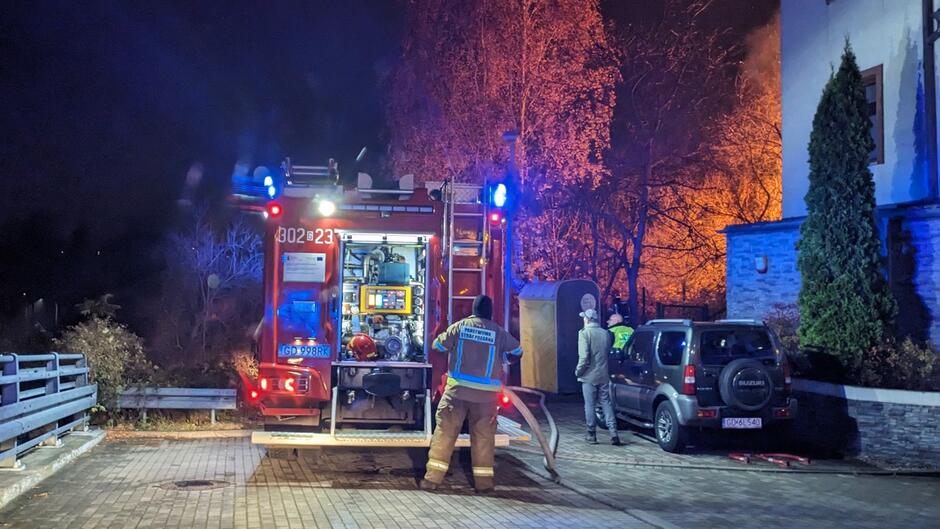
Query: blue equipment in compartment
(300, 318)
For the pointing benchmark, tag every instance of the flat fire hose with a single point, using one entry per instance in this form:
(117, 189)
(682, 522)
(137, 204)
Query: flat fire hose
(550, 446)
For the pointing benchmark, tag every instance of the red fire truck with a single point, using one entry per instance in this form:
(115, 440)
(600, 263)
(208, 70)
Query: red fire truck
(357, 283)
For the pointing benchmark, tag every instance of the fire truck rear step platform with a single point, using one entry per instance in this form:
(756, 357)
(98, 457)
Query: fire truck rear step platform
(507, 431)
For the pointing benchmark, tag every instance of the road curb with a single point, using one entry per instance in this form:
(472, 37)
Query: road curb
(33, 476)
(115, 435)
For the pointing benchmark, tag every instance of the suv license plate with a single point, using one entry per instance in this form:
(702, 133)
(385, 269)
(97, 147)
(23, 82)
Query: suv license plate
(742, 423)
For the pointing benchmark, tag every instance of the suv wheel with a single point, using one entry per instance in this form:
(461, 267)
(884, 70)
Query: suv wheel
(670, 435)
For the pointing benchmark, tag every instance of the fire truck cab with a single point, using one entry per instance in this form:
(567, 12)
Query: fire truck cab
(357, 283)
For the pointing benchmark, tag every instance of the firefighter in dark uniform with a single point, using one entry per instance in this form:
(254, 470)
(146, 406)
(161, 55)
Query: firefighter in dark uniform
(477, 347)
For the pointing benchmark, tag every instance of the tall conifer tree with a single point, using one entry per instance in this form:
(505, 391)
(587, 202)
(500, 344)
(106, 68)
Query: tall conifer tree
(845, 305)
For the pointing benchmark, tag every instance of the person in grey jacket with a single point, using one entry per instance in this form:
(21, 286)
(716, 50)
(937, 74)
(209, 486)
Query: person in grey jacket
(594, 343)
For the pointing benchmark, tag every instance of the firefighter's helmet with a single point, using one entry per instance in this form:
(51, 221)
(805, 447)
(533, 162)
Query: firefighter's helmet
(363, 347)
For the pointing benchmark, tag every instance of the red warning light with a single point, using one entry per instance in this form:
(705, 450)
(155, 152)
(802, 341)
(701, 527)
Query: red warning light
(254, 395)
(504, 399)
(495, 217)
(274, 209)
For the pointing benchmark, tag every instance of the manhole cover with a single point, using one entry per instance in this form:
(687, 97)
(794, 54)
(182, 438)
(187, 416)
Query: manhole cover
(194, 484)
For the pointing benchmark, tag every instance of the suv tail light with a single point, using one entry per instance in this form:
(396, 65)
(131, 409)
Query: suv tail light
(787, 381)
(688, 380)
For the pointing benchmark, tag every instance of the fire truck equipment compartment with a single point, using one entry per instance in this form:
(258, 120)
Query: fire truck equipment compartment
(384, 300)
(548, 330)
(393, 273)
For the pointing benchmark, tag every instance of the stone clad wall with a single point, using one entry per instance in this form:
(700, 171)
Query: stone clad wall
(914, 263)
(912, 253)
(889, 427)
(750, 293)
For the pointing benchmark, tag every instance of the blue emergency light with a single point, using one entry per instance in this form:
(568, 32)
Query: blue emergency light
(500, 196)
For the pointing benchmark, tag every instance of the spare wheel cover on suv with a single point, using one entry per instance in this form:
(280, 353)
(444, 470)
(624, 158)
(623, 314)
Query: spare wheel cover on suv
(745, 384)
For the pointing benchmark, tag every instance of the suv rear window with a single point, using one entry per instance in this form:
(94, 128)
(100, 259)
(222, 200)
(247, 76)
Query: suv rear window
(721, 346)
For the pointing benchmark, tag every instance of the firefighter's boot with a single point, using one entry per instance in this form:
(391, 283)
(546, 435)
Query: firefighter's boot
(482, 444)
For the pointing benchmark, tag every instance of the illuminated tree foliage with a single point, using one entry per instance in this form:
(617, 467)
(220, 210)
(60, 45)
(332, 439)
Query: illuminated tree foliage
(629, 160)
(738, 181)
(210, 295)
(474, 69)
(673, 74)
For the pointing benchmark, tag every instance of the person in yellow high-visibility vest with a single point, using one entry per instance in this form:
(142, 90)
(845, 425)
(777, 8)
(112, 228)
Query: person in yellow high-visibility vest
(621, 332)
(478, 347)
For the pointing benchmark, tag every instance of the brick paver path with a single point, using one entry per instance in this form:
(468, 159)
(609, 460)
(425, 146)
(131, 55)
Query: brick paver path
(129, 484)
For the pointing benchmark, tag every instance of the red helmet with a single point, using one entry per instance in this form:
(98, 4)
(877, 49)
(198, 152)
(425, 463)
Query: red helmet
(363, 347)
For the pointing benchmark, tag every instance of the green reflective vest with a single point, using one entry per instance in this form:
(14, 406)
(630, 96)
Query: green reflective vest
(621, 334)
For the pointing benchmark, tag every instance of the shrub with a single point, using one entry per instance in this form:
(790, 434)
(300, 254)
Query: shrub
(245, 364)
(784, 321)
(115, 356)
(892, 365)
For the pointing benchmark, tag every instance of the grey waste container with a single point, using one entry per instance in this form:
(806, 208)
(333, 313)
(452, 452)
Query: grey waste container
(548, 329)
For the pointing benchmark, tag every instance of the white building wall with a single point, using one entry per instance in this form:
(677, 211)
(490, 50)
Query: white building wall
(886, 32)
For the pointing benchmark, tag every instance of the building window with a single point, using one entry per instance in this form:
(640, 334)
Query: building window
(871, 78)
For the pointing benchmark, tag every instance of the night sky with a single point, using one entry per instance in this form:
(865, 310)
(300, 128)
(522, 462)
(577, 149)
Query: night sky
(106, 106)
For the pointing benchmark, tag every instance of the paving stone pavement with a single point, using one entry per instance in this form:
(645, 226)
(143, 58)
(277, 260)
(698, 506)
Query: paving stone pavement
(118, 485)
(641, 448)
(128, 483)
(704, 488)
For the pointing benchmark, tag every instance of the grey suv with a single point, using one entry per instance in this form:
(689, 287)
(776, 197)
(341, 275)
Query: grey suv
(674, 375)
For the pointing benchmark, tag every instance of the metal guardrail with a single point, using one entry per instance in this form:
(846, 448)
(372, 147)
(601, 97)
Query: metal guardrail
(143, 399)
(42, 398)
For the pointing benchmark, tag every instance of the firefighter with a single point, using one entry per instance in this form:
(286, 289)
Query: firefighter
(475, 344)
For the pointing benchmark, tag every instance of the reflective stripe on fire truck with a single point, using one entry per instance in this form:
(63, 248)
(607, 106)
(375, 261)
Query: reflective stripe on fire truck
(437, 464)
(483, 471)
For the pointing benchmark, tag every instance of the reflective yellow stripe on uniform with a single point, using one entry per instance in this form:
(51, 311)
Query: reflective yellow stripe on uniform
(452, 381)
(437, 464)
(483, 471)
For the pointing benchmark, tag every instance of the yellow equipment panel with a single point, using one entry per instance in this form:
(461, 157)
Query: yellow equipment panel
(384, 300)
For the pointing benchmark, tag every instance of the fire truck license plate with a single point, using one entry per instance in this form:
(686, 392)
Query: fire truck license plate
(305, 351)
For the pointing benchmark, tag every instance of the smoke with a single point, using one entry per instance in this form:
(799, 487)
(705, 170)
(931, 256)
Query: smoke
(761, 66)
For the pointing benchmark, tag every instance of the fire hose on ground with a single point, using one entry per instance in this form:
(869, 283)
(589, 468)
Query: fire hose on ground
(549, 446)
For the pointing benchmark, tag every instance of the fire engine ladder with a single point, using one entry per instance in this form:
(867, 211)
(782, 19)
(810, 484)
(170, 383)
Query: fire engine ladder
(465, 234)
